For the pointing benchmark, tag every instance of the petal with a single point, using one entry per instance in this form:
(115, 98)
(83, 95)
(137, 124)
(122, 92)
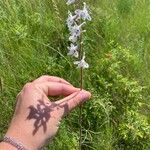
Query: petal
(76, 62)
(76, 54)
(86, 65)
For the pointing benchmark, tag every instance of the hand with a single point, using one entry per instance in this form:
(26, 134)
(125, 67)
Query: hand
(36, 119)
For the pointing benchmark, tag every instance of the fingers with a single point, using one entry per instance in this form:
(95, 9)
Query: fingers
(56, 88)
(73, 100)
(46, 78)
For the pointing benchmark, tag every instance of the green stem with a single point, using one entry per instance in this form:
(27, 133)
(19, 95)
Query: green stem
(81, 84)
(1, 85)
(81, 88)
(80, 111)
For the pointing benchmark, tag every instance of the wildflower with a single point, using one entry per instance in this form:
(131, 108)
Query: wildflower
(70, 2)
(76, 29)
(82, 63)
(75, 21)
(83, 14)
(75, 32)
(73, 50)
(73, 38)
(70, 20)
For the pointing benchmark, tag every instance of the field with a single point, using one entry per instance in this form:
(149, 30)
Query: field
(33, 42)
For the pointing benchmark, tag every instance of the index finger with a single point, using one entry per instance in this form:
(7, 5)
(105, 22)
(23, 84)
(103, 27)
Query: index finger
(45, 78)
(56, 88)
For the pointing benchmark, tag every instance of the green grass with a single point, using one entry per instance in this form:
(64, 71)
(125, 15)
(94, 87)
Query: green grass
(33, 41)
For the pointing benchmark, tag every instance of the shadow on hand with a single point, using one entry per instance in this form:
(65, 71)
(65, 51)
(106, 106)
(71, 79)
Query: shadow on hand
(42, 113)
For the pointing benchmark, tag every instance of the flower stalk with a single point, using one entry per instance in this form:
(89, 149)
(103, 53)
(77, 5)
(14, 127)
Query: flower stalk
(75, 23)
(81, 87)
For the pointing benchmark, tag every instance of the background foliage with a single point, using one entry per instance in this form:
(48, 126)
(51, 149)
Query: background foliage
(33, 41)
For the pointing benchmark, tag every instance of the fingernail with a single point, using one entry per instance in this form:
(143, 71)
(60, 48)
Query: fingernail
(85, 94)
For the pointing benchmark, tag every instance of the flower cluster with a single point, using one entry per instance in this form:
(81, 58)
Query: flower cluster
(75, 23)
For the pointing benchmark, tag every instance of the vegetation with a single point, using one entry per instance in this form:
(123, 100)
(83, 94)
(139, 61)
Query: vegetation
(33, 41)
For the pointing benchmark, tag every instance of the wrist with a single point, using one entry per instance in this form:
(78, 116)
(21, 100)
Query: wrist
(23, 135)
(6, 146)
(26, 141)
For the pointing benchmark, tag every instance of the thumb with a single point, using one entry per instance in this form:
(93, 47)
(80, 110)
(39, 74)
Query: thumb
(72, 101)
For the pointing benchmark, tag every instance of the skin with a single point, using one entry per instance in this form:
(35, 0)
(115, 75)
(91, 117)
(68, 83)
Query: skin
(29, 124)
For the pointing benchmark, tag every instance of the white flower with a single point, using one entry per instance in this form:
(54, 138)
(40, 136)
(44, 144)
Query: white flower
(82, 63)
(76, 29)
(70, 2)
(73, 38)
(73, 50)
(70, 20)
(75, 32)
(83, 14)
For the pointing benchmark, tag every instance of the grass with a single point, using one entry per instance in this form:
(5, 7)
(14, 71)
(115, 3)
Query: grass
(33, 41)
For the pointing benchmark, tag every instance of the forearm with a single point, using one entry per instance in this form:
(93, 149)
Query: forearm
(22, 133)
(18, 135)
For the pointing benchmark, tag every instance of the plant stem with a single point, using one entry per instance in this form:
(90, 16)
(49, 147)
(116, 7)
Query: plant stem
(81, 88)
(81, 83)
(1, 85)
(80, 132)
(80, 111)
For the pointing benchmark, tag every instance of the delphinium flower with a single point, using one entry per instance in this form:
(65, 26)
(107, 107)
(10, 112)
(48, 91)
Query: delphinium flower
(73, 50)
(70, 20)
(83, 14)
(82, 63)
(75, 22)
(75, 32)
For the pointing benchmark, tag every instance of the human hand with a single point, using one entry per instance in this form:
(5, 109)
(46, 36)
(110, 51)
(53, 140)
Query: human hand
(36, 119)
